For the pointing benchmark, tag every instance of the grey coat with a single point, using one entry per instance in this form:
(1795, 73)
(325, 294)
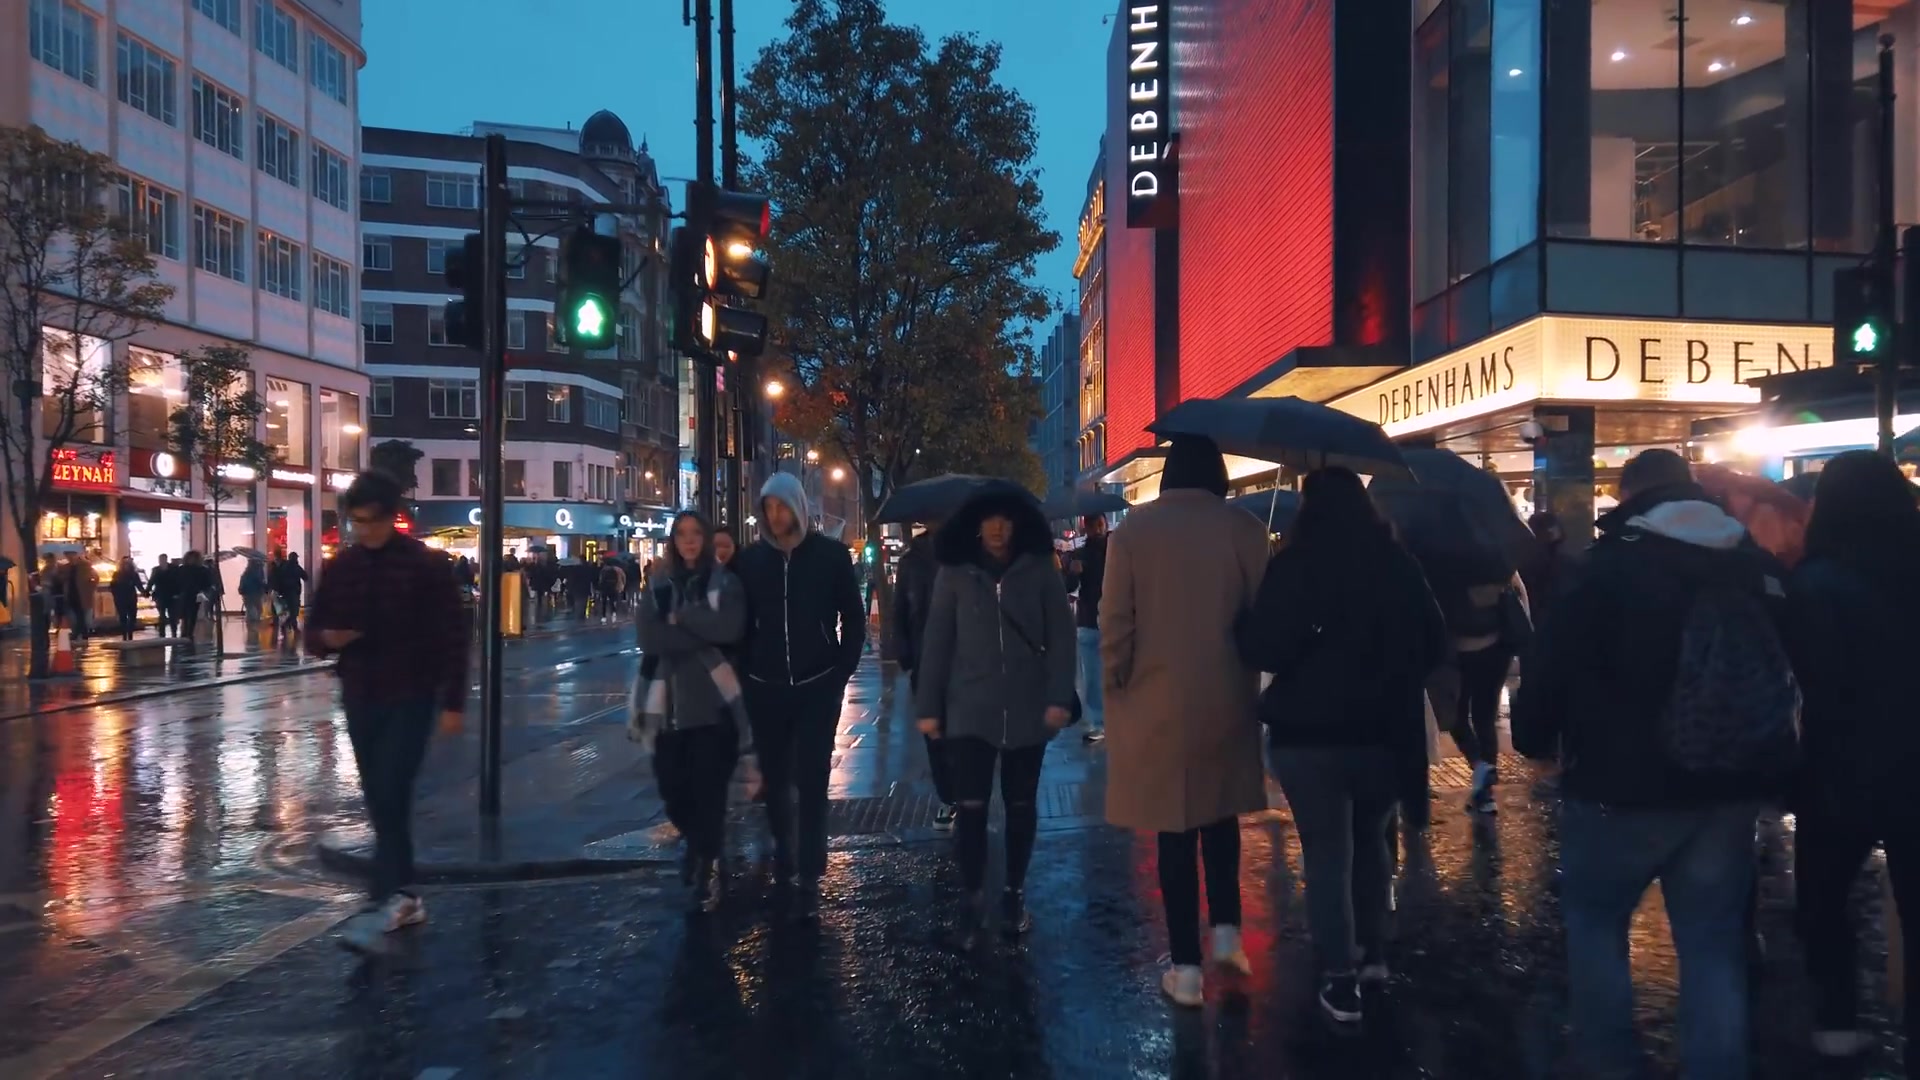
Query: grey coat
(996, 655)
(694, 699)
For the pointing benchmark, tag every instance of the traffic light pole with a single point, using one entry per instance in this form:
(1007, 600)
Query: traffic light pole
(496, 207)
(738, 400)
(1887, 384)
(706, 415)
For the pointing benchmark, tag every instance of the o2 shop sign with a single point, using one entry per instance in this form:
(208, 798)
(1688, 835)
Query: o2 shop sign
(1151, 196)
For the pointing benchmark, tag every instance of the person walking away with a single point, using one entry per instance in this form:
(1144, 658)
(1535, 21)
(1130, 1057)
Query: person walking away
(1346, 625)
(126, 588)
(1183, 742)
(195, 581)
(289, 584)
(1086, 572)
(995, 683)
(389, 611)
(1662, 685)
(82, 583)
(1856, 581)
(912, 603)
(806, 634)
(163, 584)
(691, 702)
(611, 584)
(1485, 610)
(725, 547)
(253, 588)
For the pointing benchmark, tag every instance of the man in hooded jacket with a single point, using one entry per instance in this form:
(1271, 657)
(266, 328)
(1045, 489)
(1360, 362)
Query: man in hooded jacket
(806, 631)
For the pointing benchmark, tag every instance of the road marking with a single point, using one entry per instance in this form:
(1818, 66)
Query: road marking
(70, 1048)
(439, 1072)
(592, 716)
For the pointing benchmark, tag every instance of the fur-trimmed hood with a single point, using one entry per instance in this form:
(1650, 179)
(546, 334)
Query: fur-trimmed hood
(958, 542)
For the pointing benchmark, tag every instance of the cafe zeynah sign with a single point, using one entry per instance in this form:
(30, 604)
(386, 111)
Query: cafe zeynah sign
(1591, 360)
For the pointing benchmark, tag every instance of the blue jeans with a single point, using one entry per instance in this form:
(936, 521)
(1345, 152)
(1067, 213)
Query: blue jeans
(1092, 702)
(1704, 860)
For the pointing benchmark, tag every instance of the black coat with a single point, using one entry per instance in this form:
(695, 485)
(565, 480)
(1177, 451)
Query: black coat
(804, 616)
(1600, 674)
(913, 599)
(1090, 581)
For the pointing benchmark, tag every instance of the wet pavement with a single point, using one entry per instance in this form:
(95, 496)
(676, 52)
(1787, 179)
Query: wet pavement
(162, 914)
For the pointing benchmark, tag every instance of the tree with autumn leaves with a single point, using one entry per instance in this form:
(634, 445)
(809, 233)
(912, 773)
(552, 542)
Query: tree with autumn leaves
(907, 223)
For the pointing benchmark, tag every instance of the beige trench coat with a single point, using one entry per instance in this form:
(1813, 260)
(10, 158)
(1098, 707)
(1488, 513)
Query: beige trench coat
(1183, 738)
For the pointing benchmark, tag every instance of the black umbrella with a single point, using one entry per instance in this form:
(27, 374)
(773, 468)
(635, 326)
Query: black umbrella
(1456, 514)
(1082, 502)
(1276, 508)
(1287, 431)
(936, 498)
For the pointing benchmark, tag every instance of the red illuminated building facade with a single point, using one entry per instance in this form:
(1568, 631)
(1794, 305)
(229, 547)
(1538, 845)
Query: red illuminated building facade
(1259, 150)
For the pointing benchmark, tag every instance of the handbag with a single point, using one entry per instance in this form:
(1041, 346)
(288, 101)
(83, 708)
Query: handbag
(1076, 709)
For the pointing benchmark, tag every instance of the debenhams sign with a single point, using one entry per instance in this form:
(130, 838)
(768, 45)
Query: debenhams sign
(1152, 195)
(1591, 360)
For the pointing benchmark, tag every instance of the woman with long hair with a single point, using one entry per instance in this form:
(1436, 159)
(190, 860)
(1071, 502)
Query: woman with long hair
(688, 699)
(1347, 626)
(996, 670)
(1858, 581)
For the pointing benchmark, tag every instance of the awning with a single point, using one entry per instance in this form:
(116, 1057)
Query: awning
(147, 500)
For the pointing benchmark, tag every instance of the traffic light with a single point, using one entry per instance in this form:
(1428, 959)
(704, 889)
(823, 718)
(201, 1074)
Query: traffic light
(716, 258)
(869, 551)
(463, 316)
(1862, 315)
(587, 295)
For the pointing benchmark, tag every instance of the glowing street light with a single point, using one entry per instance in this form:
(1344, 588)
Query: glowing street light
(775, 388)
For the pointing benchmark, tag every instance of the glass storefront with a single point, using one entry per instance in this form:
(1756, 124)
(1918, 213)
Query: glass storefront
(288, 421)
(153, 533)
(73, 522)
(232, 527)
(290, 521)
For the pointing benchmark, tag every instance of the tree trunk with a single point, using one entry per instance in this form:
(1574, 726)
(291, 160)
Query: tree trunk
(219, 589)
(39, 650)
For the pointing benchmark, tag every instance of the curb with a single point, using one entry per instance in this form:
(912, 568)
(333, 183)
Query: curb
(236, 680)
(336, 855)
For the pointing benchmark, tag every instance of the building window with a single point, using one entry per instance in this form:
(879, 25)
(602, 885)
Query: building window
(277, 149)
(380, 399)
(437, 327)
(340, 431)
(453, 191)
(219, 244)
(563, 479)
(66, 38)
(150, 213)
(217, 118)
(376, 253)
(629, 333)
(446, 476)
(514, 477)
(516, 401)
(1514, 130)
(376, 186)
(517, 263)
(145, 80)
(330, 183)
(332, 286)
(453, 399)
(560, 404)
(327, 68)
(376, 323)
(516, 330)
(225, 13)
(474, 487)
(603, 412)
(280, 266)
(289, 421)
(437, 255)
(276, 34)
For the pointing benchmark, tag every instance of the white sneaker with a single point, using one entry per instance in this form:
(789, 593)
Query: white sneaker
(1841, 1044)
(1184, 984)
(1228, 951)
(403, 910)
(366, 932)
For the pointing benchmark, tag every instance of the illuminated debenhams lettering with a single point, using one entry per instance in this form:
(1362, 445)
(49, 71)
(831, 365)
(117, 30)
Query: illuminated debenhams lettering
(1456, 383)
(1653, 360)
(1149, 142)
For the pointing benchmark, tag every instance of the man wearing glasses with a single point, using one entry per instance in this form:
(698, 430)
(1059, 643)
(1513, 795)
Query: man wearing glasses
(389, 610)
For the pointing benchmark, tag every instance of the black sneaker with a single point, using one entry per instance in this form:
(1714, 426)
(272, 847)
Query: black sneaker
(1015, 919)
(943, 817)
(1340, 998)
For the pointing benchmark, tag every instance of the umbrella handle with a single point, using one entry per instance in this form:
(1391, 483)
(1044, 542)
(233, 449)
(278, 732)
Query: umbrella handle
(1272, 505)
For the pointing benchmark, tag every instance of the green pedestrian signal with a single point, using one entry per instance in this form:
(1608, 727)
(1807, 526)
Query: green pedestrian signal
(589, 318)
(588, 290)
(1863, 313)
(1866, 340)
(869, 552)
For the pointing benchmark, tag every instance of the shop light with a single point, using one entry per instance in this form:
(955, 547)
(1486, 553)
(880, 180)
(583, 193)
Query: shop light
(350, 429)
(1514, 73)
(1764, 441)
(1618, 55)
(1743, 19)
(1717, 67)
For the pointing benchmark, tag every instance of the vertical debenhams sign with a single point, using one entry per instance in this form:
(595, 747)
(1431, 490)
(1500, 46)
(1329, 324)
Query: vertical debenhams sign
(1152, 196)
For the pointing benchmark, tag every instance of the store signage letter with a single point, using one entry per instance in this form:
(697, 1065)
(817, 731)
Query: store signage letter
(563, 517)
(70, 470)
(1457, 382)
(1694, 361)
(1151, 195)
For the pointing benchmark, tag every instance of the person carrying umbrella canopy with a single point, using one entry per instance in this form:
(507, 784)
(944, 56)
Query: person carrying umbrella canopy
(1287, 431)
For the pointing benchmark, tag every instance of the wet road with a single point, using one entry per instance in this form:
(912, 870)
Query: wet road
(159, 919)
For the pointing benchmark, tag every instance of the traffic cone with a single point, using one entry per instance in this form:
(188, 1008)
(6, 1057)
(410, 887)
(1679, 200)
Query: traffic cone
(63, 652)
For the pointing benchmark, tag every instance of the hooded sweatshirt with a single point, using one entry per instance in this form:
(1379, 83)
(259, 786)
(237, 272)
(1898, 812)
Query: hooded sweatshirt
(1602, 671)
(805, 621)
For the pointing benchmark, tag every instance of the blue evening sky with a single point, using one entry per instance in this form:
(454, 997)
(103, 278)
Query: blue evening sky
(440, 65)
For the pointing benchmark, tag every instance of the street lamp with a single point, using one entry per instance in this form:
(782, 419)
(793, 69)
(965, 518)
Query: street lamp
(839, 473)
(775, 388)
(813, 456)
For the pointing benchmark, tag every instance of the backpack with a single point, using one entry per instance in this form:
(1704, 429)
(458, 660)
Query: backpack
(1735, 705)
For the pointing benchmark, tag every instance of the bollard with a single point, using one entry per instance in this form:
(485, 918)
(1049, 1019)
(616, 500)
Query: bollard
(513, 595)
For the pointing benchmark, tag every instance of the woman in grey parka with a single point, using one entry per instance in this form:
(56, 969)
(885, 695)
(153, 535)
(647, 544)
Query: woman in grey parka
(996, 673)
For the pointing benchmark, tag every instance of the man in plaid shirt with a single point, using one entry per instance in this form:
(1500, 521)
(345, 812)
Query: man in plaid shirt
(389, 610)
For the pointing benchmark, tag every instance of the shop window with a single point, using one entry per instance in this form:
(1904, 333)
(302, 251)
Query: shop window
(446, 476)
(341, 432)
(563, 479)
(1469, 136)
(75, 376)
(288, 421)
(1515, 128)
(156, 386)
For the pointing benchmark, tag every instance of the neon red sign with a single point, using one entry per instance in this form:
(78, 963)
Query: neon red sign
(92, 473)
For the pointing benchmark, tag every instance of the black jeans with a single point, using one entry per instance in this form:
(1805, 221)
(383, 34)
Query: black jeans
(1827, 857)
(164, 617)
(969, 764)
(1342, 799)
(188, 610)
(793, 734)
(389, 745)
(1218, 847)
(1476, 722)
(129, 619)
(692, 768)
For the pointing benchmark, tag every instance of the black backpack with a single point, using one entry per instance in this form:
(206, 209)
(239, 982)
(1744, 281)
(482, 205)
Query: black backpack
(1735, 706)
